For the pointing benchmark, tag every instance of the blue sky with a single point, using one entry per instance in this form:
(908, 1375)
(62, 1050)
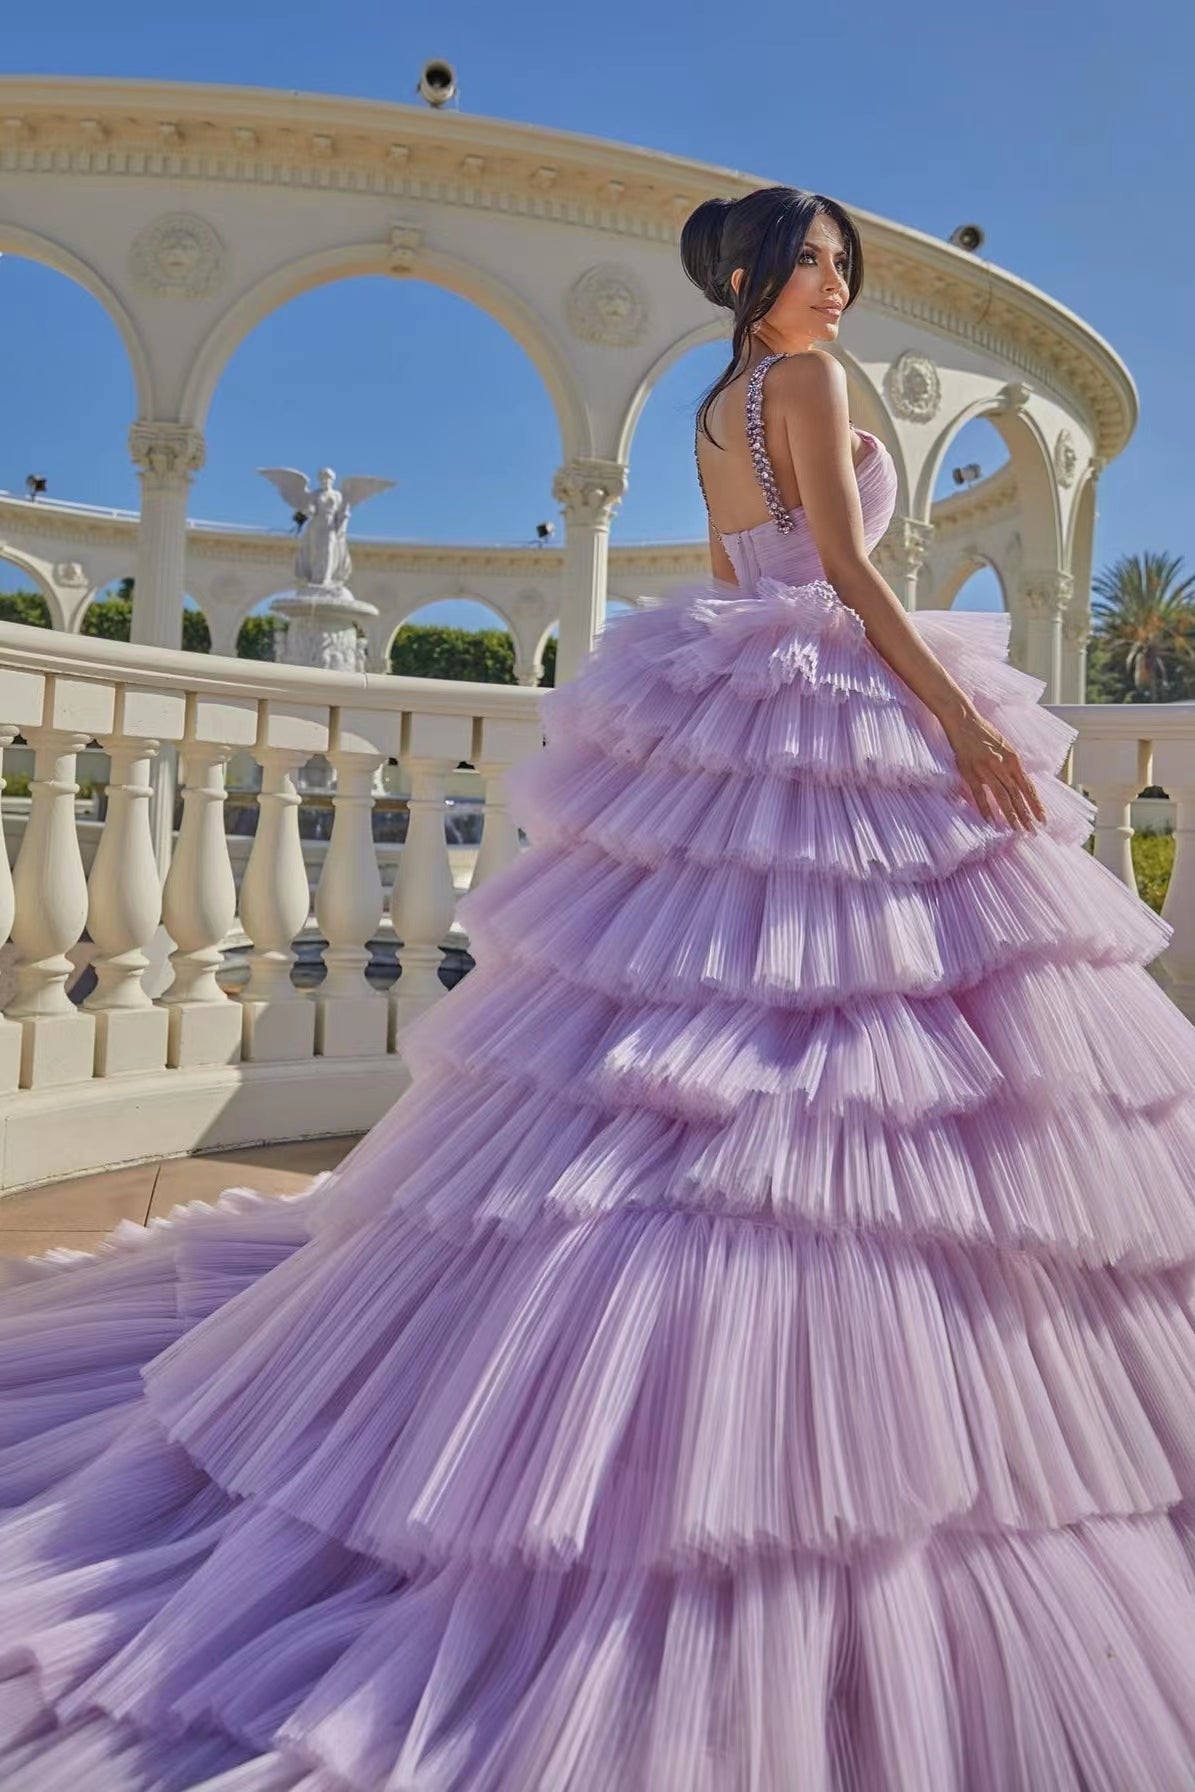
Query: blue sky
(1066, 132)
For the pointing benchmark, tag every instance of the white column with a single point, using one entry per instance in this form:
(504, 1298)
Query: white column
(1112, 772)
(423, 900)
(167, 457)
(1076, 633)
(50, 891)
(279, 1019)
(352, 1019)
(901, 553)
(588, 492)
(125, 888)
(1044, 596)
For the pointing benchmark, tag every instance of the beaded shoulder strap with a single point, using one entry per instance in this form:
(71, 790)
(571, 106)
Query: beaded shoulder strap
(759, 454)
(704, 494)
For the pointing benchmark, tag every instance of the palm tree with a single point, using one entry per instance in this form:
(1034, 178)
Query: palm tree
(1144, 617)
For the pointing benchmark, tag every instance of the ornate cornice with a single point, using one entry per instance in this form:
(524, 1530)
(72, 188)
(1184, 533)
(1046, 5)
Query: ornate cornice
(170, 131)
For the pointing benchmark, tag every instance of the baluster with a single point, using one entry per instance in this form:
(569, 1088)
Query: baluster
(352, 1020)
(50, 890)
(279, 1020)
(1112, 771)
(125, 891)
(423, 902)
(10, 1031)
(199, 900)
(1174, 771)
(502, 745)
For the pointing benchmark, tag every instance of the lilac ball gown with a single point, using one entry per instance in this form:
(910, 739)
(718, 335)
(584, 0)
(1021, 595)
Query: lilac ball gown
(756, 1353)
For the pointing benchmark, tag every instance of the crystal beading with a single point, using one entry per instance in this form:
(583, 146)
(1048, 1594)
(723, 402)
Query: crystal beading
(759, 453)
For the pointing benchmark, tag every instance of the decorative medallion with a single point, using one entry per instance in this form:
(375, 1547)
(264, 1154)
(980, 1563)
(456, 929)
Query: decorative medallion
(912, 387)
(607, 305)
(178, 256)
(1066, 458)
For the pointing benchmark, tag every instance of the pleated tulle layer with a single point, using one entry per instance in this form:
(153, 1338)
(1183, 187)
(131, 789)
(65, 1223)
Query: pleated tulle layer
(668, 1389)
(781, 936)
(577, 794)
(1048, 1660)
(757, 1352)
(850, 720)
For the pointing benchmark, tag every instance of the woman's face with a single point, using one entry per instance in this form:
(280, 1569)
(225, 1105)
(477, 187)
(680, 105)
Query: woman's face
(810, 303)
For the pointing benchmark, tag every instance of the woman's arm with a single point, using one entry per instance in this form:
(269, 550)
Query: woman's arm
(720, 562)
(812, 391)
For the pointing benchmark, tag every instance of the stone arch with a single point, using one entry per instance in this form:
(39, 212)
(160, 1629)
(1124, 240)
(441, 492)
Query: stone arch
(952, 581)
(455, 275)
(1038, 502)
(36, 573)
(16, 240)
(712, 330)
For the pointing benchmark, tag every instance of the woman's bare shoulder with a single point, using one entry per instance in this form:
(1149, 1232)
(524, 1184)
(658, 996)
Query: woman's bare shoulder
(811, 390)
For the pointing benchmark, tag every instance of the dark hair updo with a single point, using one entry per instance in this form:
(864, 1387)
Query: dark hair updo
(763, 233)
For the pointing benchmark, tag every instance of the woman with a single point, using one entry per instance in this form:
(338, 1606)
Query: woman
(753, 1355)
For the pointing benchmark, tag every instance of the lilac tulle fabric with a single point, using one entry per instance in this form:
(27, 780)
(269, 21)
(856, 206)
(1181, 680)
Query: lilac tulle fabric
(757, 1353)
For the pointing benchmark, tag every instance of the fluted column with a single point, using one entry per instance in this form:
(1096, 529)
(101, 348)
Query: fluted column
(1044, 595)
(588, 492)
(167, 457)
(275, 903)
(352, 1019)
(50, 891)
(901, 553)
(125, 891)
(1076, 634)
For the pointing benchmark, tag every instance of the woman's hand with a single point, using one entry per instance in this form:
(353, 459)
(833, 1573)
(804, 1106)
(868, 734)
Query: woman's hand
(990, 765)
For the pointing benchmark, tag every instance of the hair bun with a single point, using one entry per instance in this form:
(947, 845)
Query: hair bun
(701, 250)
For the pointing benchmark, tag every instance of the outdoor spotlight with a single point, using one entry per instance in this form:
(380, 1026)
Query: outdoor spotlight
(964, 475)
(298, 518)
(545, 531)
(967, 236)
(35, 484)
(437, 83)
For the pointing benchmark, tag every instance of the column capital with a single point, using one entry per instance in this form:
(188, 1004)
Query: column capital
(590, 491)
(1046, 591)
(166, 454)
(904, 546)
(1076, 628)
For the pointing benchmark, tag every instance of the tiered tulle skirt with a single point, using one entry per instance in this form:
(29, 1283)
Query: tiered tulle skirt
(757, 1353)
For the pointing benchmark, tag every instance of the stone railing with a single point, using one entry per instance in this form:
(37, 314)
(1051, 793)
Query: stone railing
(1120, 749)
(124, 1075)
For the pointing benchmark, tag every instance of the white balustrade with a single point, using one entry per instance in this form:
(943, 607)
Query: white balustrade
(279, 1020)
(124, 902)
(423, 900)
(126, 1075)
(352, 1020)
(50, 889)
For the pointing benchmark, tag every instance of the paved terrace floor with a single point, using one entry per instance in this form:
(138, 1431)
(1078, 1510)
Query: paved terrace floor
(80, 1211)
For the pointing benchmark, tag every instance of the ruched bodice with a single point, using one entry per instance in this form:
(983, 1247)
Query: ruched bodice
(767, 550)
(782, 547)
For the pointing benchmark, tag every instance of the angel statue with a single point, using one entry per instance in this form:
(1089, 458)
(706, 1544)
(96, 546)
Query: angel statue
(322, 558)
